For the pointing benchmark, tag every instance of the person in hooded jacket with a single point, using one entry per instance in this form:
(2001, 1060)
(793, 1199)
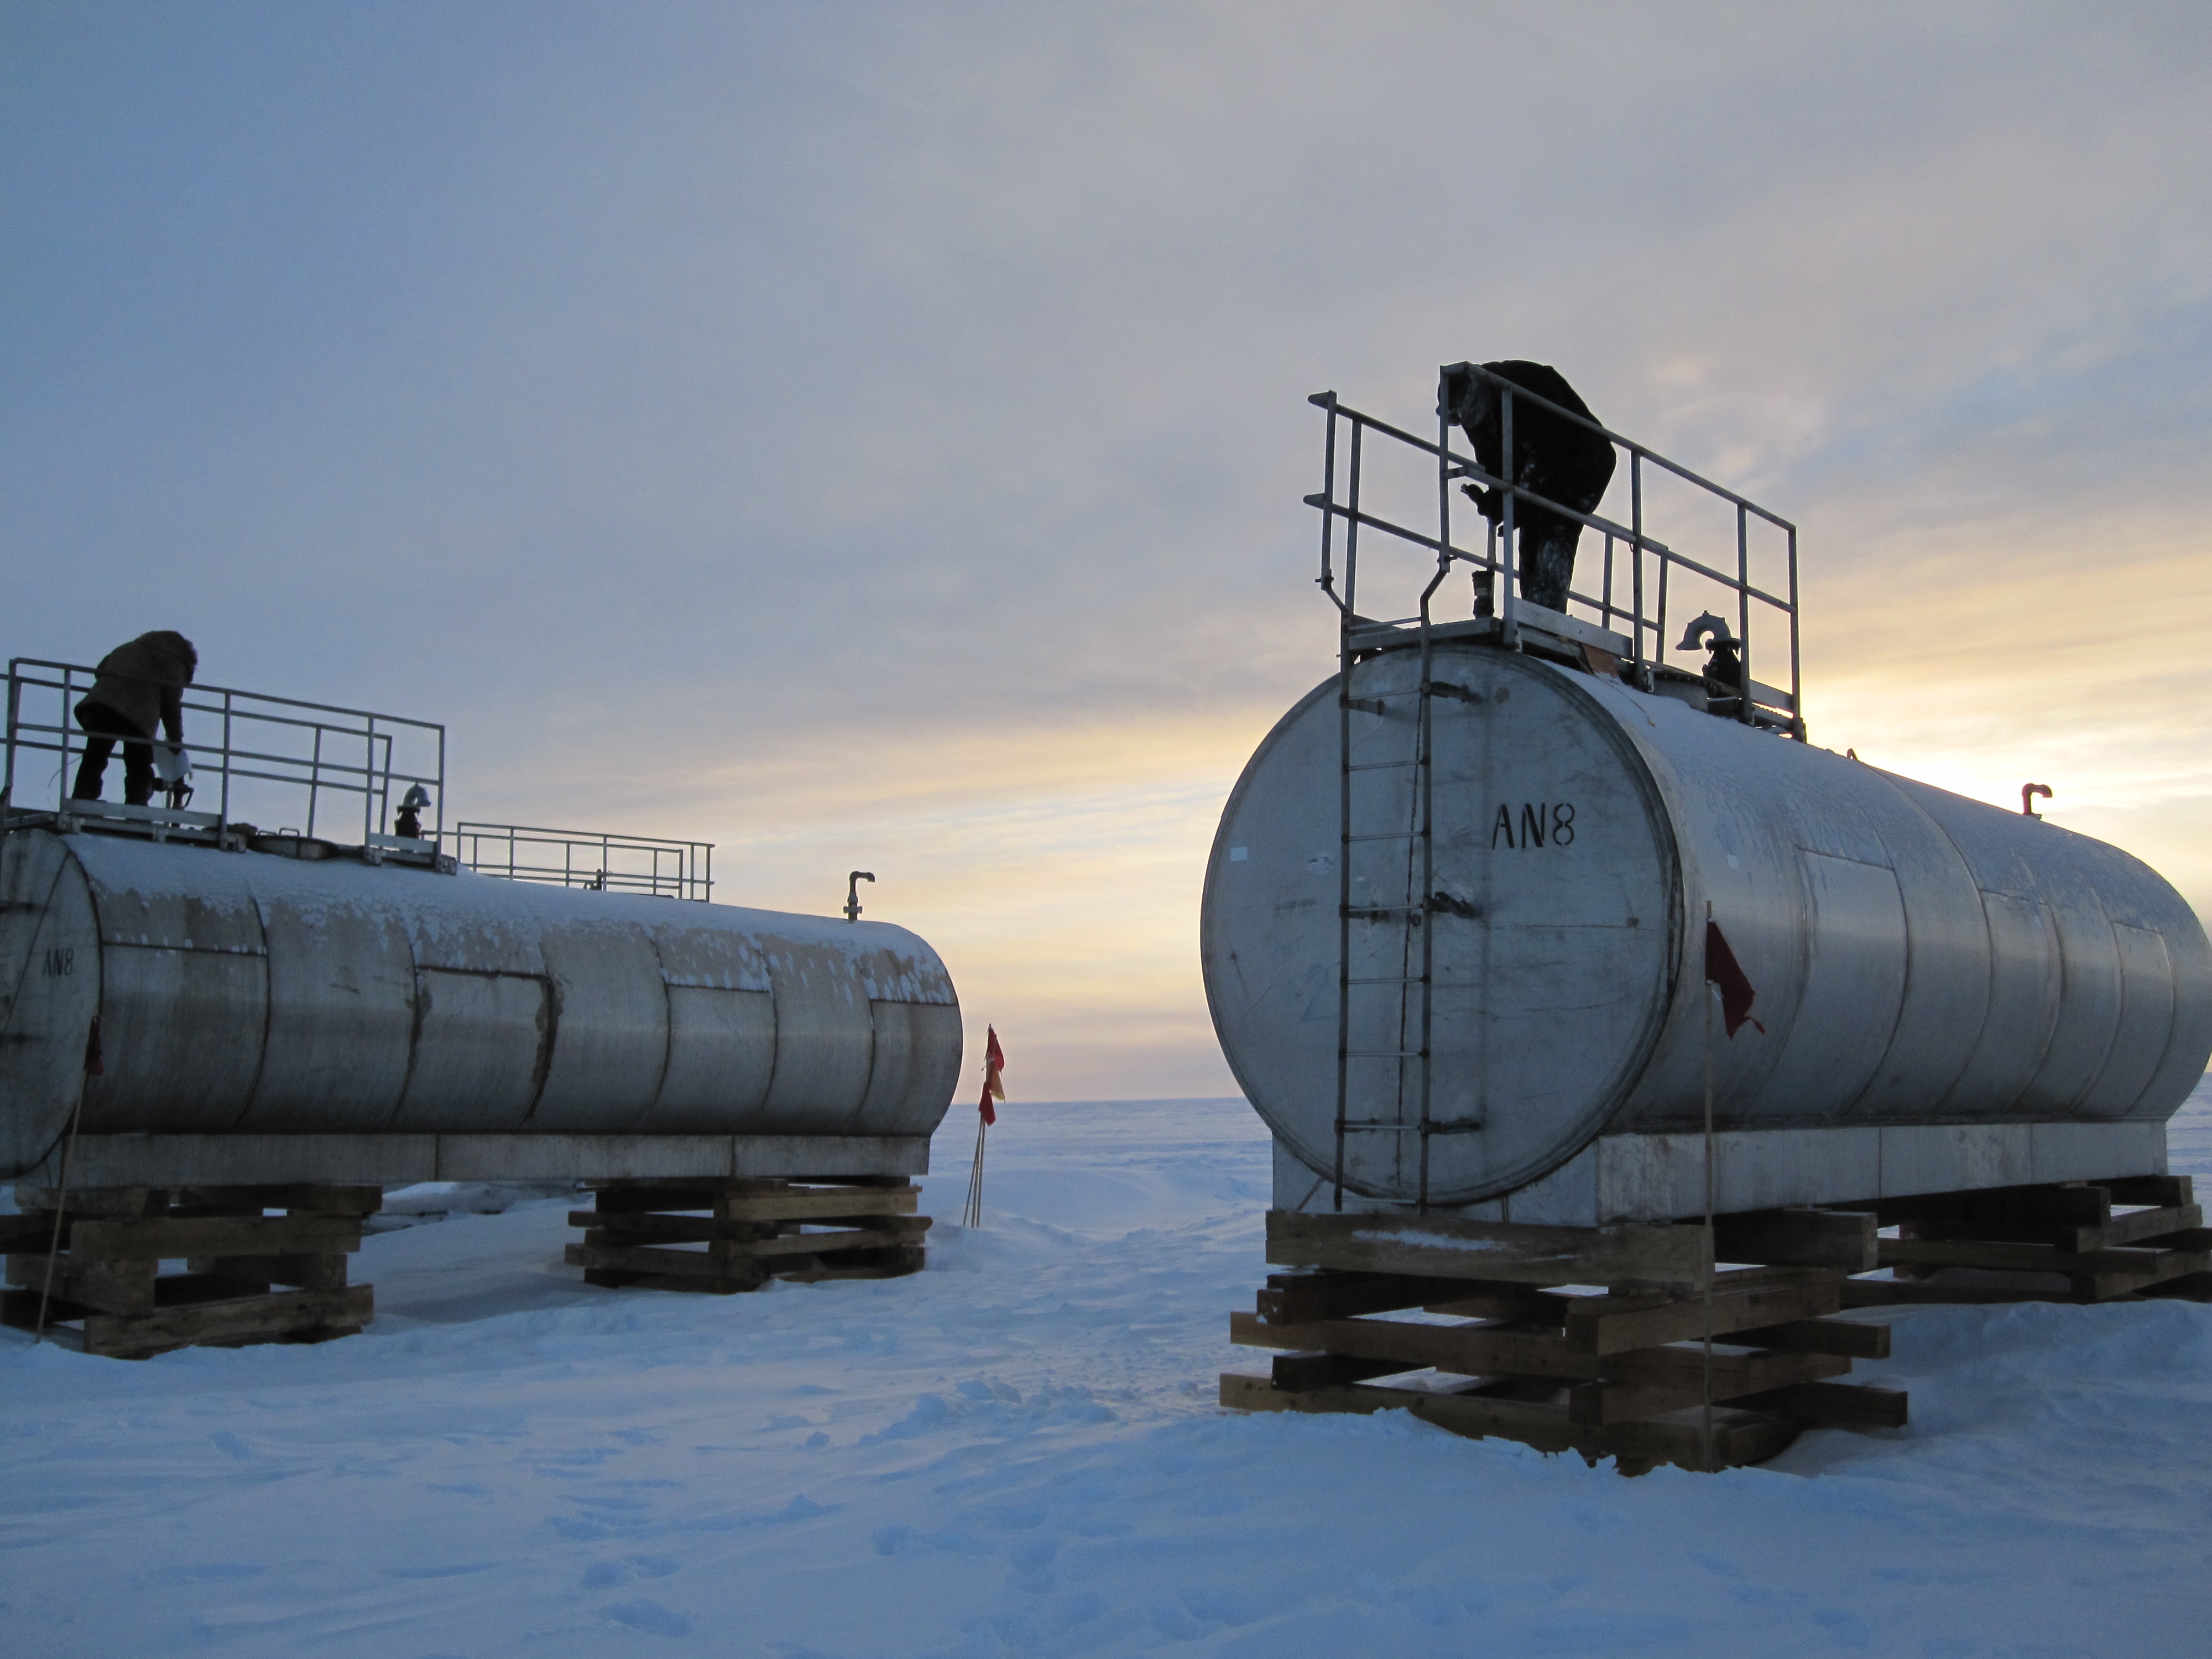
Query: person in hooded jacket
(1557, 458)
(137, 687)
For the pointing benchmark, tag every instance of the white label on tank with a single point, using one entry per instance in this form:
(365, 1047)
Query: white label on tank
(1236, 854)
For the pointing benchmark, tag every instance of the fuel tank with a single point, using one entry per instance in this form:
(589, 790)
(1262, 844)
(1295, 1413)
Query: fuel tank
(1919, 958)
(244, 993)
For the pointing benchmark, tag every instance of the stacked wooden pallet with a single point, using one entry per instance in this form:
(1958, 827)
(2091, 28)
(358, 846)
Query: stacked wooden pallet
(248, 1276)
(2083, 1238)
(1615, 1367)
(724, 1236)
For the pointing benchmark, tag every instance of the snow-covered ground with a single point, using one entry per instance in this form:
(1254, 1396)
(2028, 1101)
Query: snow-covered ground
(1018, 1452)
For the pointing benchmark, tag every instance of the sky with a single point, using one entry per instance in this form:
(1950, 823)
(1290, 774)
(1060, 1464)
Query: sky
(873, 436)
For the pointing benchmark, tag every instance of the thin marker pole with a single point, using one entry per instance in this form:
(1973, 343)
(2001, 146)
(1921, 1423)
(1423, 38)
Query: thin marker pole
(972, 1214)
(1710, 999)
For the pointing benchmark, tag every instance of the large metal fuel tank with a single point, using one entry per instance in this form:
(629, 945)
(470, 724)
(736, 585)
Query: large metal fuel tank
(1951, 975)
(251, 995)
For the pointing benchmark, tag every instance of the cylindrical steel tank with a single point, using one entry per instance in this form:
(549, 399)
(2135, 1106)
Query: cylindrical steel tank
(247, 992)
(1919, 958)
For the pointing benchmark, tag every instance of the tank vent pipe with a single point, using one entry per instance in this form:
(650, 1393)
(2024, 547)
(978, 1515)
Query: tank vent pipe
(853, 893)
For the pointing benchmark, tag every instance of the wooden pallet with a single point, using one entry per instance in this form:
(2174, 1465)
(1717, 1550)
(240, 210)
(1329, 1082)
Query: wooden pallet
(2103, 1241)
(249, 1276)
(1615, 1368)
(641, 1232)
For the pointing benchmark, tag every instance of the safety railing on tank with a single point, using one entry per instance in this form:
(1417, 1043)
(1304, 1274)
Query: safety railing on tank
(589, 858)
(1640, 567)
(250, 764)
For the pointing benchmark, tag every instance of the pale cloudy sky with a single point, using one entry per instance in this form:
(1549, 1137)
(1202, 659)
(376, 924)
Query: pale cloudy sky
(873, 435)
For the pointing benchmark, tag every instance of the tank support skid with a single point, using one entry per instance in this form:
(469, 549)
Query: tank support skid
(1621, 1369)
(250, 1276)
(728, 1235)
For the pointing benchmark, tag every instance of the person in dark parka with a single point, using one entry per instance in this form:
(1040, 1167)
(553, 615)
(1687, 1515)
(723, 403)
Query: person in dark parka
(137, 687)
(1558, 459)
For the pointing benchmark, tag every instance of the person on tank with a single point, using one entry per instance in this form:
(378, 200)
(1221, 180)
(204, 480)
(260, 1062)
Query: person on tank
(1554, 457)
(137, 687)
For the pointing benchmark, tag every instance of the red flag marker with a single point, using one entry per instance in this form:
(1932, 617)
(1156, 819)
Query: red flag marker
(1721, 968)
(994, 1062)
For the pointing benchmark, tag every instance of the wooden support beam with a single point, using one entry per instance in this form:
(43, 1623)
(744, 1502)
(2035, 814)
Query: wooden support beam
(1740, 1436)
(1645, 1382)
(115, 1287)
(2153, 1264)
(247, 1319)
(1803, 1238)
(640, 1227)
(1467, 1350)
(2074, 1204)
(1447, 1247)
(301, 1198)
(596, 1250)
(1291, 1299)
(2130, 1227)
(1598, 1325)
(1904, 1293)
(163, 1237)
(1622, 1400)
(702, 1193)
(806, 1204)
(2161, 1190)
(645, 1259)
(95, 1200)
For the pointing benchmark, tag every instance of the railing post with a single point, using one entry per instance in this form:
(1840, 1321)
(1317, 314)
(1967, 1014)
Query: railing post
(314, 779)
(1743, 612)
(1329, 501)
(1508, 629)
(1797, 683)
(1636, 552)
(1352, 522)
(15, 712)
(222, 810)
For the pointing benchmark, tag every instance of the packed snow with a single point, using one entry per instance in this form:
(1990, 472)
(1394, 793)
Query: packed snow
(1019, 1452)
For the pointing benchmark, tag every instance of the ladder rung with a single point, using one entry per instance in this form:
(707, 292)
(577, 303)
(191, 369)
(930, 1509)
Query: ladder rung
(1367, 912)
(1403, 979)
(1383, 1054)
(1393, 835)
(1385, 765)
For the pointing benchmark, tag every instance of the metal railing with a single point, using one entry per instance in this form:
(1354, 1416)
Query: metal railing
(1400, 1100)
(589, 858)
(270, 756)
(1639, 595)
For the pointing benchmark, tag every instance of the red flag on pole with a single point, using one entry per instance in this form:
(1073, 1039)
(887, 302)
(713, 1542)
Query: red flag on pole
(1721, 968)
(994, 1063)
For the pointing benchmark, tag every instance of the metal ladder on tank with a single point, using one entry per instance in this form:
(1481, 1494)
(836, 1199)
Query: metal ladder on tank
(1417, 913)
